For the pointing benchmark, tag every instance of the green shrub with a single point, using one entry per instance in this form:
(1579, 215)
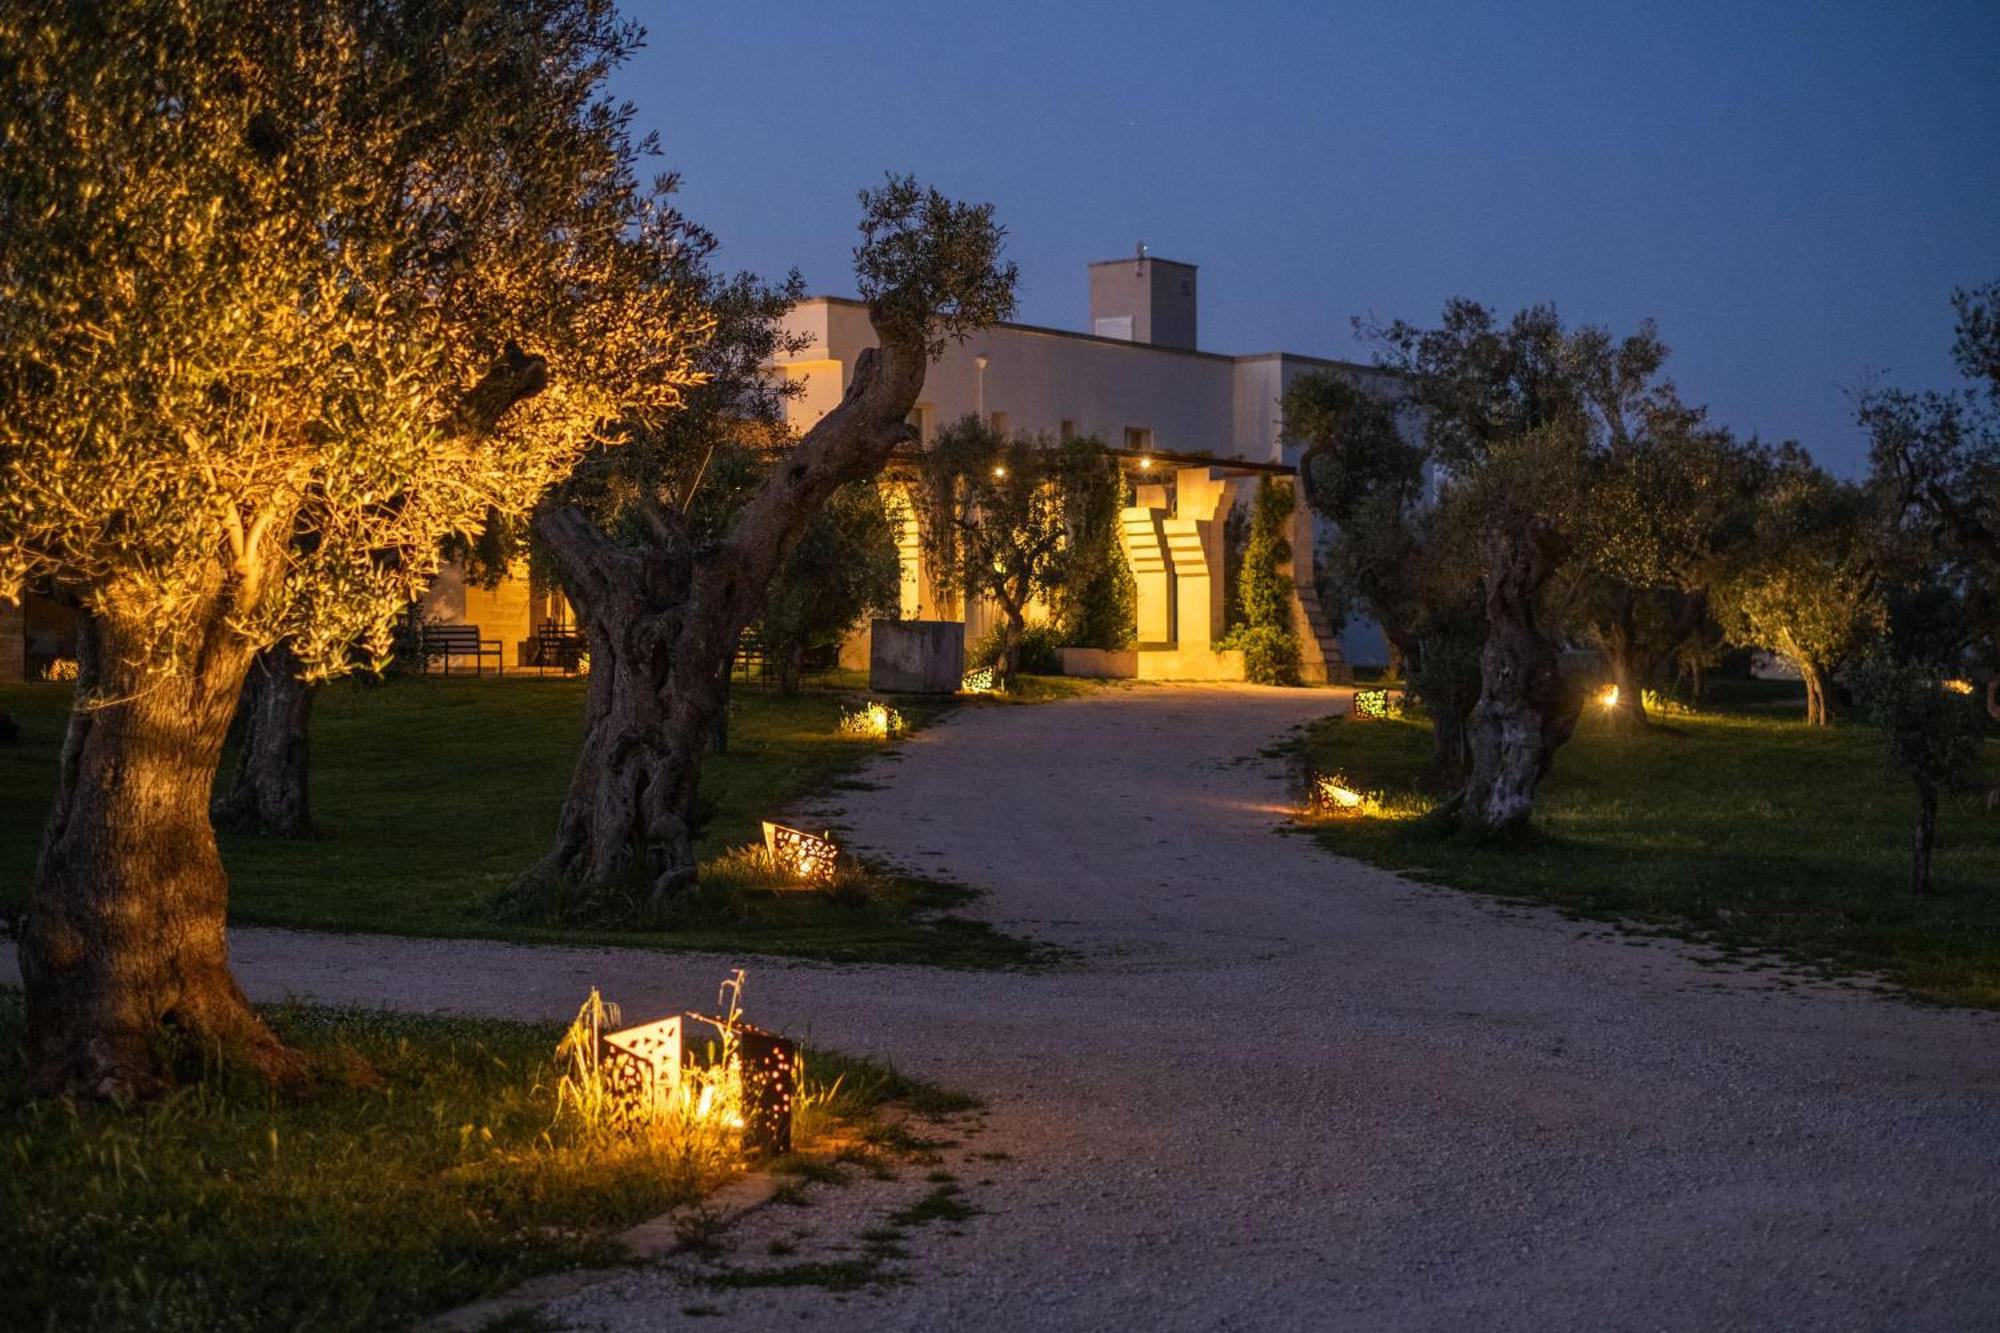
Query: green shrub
(1270, 656)
(1040, 655)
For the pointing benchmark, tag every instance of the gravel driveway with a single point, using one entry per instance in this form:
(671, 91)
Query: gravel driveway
(1282, 1090)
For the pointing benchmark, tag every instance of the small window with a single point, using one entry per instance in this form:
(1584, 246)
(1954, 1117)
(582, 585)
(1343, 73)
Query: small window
(922, 418)
(1068, 429)
(998, 421)
(1139, 439)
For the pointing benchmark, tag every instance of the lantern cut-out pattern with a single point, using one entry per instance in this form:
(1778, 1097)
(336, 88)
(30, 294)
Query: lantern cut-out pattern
(800, 855)
(978, 682)
(1373, 704)
(749, 1082)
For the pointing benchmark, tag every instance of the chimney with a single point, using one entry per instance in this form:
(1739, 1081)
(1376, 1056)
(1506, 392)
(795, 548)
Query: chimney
(1143, 300)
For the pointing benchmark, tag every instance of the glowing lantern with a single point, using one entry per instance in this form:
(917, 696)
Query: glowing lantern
(1609, 696)
(877, 719)
(1331, 794)
(1958, 686)
(805, 858)
(978, 682)
(1371, 703)
(748, 1082)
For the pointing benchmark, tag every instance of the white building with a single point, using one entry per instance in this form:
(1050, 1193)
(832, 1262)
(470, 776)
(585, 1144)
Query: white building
(1197, 429)
(1139, 383)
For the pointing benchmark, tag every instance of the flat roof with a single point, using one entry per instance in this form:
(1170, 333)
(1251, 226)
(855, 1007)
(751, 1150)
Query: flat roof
(1048, 332)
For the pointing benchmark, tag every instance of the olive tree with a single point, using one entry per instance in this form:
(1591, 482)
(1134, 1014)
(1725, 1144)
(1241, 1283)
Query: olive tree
(290, 295)
(1516, 416)
(662, 594)
(1811, 588)
(1406, 557)
(1669, 512)
(845, 567)
(993, 520)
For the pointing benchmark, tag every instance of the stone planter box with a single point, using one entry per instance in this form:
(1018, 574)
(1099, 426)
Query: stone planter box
(916, 656)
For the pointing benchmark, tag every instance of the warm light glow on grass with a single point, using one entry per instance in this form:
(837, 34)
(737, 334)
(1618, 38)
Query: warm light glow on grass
(876, 719)
(733, 1092)
(1331, 792)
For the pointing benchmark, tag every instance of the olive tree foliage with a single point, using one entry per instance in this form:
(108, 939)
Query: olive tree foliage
(1931, 722)
(1812, 588)
(1516, 417)
(1936, 460)
(1405, 557)
(665, 579)
(845, 568)
(992, 520)
(290, 294)
(1670, 511)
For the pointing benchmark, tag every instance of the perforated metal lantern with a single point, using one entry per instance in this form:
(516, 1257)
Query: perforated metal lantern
(770, 1074)
(805, 858)
(1371, 703)
(643, 1064)
(647, 1065)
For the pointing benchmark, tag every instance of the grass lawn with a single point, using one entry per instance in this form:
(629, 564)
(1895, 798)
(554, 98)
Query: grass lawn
(431, 795)
(349, 1206)
(1742, 826)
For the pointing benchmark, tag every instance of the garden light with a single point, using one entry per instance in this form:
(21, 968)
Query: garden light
(1331, 793)
(743, 1080)
(1958, 686)
(877, 720)
(1609, 696)
(805, 858)
(978, 682)
(1371, 703)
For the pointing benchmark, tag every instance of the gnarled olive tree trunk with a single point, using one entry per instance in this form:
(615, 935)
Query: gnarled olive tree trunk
(123, 931)
(268, 792)
(1523, 713)
(663, 621)
(623, 799)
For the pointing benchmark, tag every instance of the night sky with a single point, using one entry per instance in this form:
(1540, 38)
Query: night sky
(1790, 190)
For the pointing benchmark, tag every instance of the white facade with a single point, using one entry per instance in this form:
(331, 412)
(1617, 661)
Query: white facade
(1133, 395)
(1048, 380)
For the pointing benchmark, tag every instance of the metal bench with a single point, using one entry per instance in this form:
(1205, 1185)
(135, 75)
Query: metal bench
(441, 643)
(556, 646)
(749, 653)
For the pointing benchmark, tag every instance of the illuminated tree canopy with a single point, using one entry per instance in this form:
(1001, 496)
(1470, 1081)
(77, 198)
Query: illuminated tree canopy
(292, 291)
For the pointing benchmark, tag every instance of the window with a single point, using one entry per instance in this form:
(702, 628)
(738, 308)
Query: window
(1068, 430)
(998, 421)
(1139, 439)
(922, 419)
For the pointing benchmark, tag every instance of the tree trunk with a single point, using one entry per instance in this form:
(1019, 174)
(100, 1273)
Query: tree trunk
(725, 681)
(791, 667)
(1522, 715)
(1920, 861)
(1817, 714)
(1618, 641)
(123, 931)
(663, 622)
(622, 818)
(268, 793)
(1010, 646)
